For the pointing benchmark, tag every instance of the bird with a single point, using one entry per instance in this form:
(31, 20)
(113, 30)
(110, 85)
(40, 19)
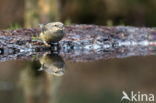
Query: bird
(51, 33)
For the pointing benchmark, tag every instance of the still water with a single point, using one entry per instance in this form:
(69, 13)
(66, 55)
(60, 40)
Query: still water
(52, 79)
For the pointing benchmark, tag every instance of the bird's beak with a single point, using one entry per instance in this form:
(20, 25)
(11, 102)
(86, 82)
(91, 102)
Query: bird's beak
(61, 26)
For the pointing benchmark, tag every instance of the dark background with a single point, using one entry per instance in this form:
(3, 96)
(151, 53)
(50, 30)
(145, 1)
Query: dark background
(29, 13)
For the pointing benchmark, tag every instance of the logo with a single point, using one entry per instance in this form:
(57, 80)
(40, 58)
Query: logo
(138, 96)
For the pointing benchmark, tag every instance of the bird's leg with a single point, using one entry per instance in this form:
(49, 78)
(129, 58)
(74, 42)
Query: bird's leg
(55, 46)
(47, 44)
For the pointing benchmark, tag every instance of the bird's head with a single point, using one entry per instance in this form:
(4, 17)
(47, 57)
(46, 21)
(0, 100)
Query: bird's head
(55, 26)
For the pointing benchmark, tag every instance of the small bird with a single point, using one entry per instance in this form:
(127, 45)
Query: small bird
(51, 33)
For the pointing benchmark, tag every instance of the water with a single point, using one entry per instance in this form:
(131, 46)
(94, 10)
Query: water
(53, 79)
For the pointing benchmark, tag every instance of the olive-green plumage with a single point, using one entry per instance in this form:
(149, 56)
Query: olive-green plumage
(52, 32)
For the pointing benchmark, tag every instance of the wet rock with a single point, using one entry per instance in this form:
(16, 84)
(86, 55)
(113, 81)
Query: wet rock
(82, 42)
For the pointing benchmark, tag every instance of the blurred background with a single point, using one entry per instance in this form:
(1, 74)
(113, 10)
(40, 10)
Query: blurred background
(28, 13)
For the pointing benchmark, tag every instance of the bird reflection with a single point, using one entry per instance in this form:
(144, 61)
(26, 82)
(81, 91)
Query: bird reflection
(38, 86)
(52, 64)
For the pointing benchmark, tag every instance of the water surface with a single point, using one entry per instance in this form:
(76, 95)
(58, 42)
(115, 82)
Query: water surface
(100, 81)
